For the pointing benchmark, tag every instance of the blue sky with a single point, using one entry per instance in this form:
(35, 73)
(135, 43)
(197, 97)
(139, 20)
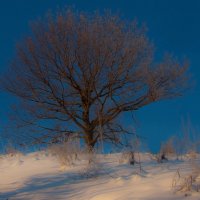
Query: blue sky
(173, 25)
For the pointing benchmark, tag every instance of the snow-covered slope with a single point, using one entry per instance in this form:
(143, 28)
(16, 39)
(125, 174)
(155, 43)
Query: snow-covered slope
(39, 176)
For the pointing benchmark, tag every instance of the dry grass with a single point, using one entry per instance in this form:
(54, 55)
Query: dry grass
(66, 153)
(188, 182)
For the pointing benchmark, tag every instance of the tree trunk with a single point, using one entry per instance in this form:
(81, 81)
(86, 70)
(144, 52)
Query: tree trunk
(89, 140)
(88, 129)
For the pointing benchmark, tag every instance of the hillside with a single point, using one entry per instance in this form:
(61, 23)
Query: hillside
(40, 176)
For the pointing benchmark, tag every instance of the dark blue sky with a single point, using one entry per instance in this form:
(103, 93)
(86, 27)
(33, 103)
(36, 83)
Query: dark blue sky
(173, 25)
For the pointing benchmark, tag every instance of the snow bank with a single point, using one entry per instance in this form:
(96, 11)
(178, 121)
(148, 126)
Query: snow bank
(39, 176)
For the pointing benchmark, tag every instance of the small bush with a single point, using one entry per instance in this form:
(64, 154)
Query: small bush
(11, 151)
(188, 182)
(159, 158)
(167, 148)
(128, 157)
(66, 152)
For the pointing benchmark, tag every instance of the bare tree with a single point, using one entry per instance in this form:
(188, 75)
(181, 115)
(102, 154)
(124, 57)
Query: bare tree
(84, 71)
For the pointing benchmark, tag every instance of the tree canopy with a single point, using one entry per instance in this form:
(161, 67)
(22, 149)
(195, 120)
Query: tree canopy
(80, 72)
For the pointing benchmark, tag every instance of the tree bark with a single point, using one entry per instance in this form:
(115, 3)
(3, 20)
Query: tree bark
(89, 139)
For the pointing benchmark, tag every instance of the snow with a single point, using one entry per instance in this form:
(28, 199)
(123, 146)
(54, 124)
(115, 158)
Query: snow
(39, 176)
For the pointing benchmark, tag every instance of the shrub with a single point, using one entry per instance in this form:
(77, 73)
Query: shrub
(66, 152)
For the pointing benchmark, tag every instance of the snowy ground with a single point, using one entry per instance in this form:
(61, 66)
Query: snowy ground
(39, 176)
